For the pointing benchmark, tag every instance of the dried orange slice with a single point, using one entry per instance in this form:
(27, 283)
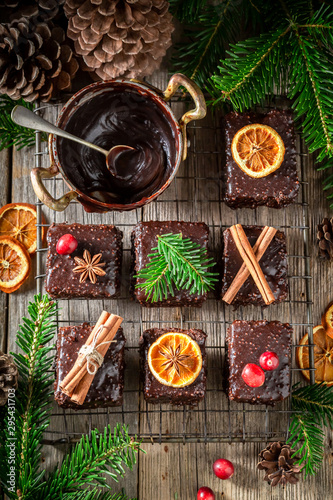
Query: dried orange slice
(323, 356)
(14, 264)
(175, 359)
(258, 150)
(18, 220)
(327, 320)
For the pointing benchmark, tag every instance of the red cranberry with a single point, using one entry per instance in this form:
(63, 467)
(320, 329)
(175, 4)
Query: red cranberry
(269, 360)
(253, 375)
(205, 493)
(66, 244)
(223, 468)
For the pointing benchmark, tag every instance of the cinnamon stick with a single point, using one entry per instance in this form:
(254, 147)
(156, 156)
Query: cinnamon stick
(81, 390)
(71, 382)
(251, 263)
(259, 249)
(66, 384)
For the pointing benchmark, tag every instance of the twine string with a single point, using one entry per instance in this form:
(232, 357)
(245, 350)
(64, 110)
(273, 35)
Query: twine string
(91, 355)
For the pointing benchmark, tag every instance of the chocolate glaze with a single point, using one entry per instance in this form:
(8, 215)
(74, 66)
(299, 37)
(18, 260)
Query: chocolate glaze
(275, 190)
(108, 384)
(154, 391)
(246, 341)
(273, 264)
(114, 118)
(62, 282)
(144, 238)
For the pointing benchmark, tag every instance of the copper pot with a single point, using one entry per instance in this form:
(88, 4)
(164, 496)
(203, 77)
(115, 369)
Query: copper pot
(161, 98)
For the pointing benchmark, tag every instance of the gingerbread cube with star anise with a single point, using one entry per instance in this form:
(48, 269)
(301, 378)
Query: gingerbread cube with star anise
(83, 261)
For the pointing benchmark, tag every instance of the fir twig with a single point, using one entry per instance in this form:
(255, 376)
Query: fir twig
(90, 461)
(10, 133)
(304, 428)
(32, 400)
(187, 10)
(178, 262)
(312, 410)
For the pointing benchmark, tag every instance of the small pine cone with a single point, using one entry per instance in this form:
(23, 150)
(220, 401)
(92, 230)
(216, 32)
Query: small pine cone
(35, 61)
(280, 468)
(8, 376)
(325, 239)
(120, 37)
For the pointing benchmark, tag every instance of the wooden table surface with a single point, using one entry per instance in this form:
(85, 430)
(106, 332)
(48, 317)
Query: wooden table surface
(171, 471)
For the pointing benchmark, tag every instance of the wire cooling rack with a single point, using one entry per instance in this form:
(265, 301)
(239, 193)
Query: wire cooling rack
(195, 195)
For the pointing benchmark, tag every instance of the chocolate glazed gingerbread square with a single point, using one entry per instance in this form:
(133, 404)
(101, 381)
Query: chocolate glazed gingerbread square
(62, 282)
(273, 264)
(276, 190)
(108, 384)
(144, 238)
(246, 341)
(154, 391)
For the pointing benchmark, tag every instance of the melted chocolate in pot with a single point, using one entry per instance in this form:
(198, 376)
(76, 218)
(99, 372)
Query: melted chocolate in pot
(110, 119)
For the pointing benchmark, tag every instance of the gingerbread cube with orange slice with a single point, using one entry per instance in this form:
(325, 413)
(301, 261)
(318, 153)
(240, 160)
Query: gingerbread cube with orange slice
(260, 164)
(173, 365)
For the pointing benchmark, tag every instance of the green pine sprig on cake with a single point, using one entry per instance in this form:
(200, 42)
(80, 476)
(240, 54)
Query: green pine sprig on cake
(179, 263)
(23, 424)
(312, 411)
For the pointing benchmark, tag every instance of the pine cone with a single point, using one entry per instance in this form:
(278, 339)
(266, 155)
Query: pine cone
(8, 376)
(325, 239)
(120, 37)
(35, 62)
(35, 10)
(279, 466)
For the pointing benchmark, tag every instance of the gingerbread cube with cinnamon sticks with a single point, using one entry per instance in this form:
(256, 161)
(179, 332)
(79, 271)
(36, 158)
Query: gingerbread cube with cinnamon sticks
(101, 361)
(255, 266)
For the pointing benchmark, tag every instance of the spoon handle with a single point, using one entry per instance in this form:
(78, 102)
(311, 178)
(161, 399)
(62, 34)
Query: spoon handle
(27, 118)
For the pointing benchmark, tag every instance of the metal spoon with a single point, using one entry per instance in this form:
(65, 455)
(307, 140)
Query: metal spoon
(27, 118)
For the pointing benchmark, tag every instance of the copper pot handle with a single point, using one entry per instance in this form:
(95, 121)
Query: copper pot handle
(200, 104)
(37, 174)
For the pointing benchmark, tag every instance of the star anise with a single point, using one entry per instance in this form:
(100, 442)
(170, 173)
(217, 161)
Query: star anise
(89, 267)
(174, 357)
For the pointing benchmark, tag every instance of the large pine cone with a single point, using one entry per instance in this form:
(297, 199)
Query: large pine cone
(35, 61)
(280, 468)
(120, 37)
(8, 376)
(325, 239)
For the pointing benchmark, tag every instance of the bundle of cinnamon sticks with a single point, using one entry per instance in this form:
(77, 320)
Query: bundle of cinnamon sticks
(77, 382)
(251, 257)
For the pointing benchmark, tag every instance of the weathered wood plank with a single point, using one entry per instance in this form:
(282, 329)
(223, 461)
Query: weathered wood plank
(5, 169)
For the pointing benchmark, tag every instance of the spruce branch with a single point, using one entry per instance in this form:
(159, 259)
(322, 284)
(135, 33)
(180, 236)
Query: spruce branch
(305, 429)
(312, 410)
(187, 10)
(32, 399)
(95, 495)
(253, 70)
(178, 262)
(10, 133)
(90, 461)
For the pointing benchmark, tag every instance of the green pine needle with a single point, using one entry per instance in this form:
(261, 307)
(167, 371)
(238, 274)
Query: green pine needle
(94, 495)
(313, 409)
(176, 262)
(10, 133)
(187, 10)
(207, 39)
(90, 461)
